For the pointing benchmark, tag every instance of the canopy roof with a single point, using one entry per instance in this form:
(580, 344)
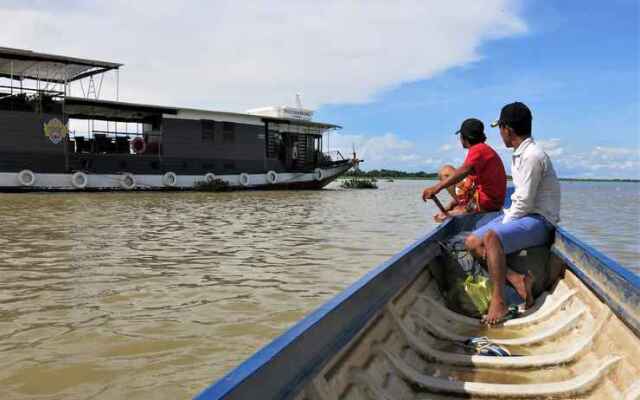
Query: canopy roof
(27, 64)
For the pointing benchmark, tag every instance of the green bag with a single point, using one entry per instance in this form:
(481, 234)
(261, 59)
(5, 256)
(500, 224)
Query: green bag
(471, 295)
(479, 290)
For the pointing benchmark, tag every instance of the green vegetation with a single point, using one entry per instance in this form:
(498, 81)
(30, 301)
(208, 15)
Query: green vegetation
(394, 174)
(216, 185)
(359, 182)
(390, 173)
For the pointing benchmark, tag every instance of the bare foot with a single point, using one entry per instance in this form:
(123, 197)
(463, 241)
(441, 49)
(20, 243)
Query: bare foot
(497, 311)
(523, 284)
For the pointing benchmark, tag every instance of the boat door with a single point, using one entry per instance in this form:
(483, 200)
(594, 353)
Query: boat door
(292, 150)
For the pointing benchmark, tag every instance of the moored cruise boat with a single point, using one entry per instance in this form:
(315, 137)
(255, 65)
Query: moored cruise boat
(54, 141)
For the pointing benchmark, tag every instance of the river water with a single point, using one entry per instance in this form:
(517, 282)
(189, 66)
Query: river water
(155, 295)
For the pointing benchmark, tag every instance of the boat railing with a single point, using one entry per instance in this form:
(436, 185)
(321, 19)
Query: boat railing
(333, 155)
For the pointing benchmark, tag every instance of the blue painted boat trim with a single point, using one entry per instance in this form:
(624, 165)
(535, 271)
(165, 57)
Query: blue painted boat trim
(224, 387)
(614, 284)
(624, 272)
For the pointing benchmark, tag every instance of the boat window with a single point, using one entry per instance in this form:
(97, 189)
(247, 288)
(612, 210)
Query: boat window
(104, 136)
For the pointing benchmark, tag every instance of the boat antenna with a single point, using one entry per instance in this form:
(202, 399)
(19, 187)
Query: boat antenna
(298, 101)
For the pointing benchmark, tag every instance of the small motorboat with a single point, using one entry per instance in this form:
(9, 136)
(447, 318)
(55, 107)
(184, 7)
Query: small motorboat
(393, 335)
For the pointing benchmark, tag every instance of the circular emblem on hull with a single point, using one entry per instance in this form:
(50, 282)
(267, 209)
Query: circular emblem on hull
(55, 130)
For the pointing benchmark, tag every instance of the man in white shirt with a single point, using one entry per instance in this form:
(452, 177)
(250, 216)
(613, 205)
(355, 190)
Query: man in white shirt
(535, 208)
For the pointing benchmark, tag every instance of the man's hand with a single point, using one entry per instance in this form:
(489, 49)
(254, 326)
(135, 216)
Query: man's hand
(440, 217)
(430, 192)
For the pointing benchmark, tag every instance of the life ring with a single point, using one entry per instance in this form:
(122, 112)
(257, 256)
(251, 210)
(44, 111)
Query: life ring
(26, 177)
(244, 179)
(138, 145)
(318, 174)
(272, 177)
(128, 181)
(170, 179)
(209, 177)
(79, 180)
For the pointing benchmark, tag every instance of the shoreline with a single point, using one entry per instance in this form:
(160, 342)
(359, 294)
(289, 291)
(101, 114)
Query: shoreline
(435, 177)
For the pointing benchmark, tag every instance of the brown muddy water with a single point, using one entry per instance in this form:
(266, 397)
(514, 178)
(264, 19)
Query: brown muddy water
(155, 295)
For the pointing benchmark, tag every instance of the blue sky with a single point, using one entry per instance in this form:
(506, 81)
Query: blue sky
(398, 76)
(577, 68)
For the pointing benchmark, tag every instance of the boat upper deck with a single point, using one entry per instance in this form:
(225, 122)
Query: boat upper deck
(19, 64)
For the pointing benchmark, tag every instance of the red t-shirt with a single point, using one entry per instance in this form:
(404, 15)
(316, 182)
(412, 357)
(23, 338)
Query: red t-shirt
(489, 175)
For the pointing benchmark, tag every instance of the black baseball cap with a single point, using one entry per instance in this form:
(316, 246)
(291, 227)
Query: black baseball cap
(514, 115)
(472, 128)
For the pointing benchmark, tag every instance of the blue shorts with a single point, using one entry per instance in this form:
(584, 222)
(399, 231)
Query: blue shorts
(529, 231)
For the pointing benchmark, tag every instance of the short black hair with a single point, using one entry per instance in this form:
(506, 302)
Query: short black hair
(518, 117)
(476, 139)
(520, 128)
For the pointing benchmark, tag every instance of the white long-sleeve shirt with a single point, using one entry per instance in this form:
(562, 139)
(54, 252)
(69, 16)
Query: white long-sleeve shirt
(537, 190)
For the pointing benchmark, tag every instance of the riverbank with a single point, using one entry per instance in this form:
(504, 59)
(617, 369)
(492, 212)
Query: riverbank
(421, 175)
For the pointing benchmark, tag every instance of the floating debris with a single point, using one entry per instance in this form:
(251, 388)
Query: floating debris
(359, 183)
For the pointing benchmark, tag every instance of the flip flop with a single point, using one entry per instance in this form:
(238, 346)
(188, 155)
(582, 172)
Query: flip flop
(484, 347)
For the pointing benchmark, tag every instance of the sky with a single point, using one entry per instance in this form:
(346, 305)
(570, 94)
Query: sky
(399, 77)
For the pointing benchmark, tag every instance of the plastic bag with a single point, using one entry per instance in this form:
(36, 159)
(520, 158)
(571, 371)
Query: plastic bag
(478, 288)
(471, 295)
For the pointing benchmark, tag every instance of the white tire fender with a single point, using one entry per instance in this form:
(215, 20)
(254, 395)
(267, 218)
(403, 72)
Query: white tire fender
(26, 177)
(128, 181)
(244, 179)
(170, 179)
(272, 177)
(209, 177)
(79, 180)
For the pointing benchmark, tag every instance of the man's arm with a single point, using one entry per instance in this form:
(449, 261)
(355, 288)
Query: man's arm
(531, 171)
(458, 175)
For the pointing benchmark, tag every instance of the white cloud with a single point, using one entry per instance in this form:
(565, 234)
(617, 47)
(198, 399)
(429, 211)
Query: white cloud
(600, 162)
(551, 146)
(236, 55)
(376, 150)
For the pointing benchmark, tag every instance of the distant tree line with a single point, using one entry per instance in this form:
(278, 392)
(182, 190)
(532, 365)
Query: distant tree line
(392, 173)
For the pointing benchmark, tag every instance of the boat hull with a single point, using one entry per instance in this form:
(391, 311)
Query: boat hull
(317, 179)
(389, 336)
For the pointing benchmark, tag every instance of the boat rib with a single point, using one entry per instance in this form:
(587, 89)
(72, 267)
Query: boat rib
(575, 386)
(548, 333)
(542, 313)
(535, 361)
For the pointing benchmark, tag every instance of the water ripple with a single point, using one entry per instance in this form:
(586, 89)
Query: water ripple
(138, 295)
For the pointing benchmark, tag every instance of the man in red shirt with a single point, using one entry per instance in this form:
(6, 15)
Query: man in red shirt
(483, 164)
